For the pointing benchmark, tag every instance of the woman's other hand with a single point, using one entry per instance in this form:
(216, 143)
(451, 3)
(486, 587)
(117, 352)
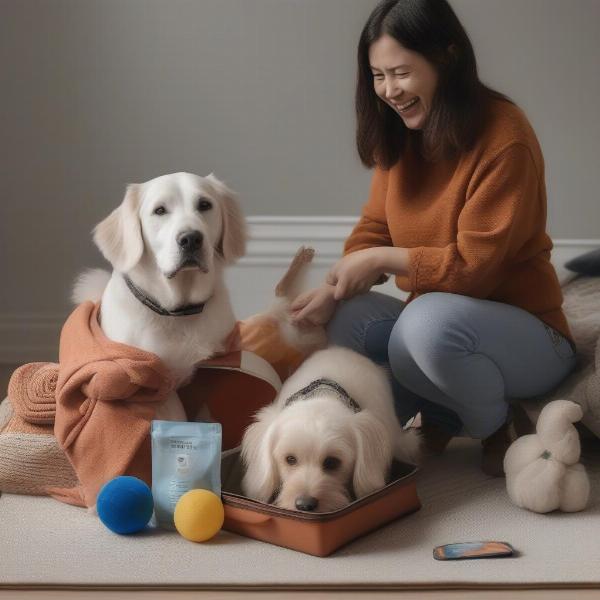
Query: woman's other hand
(314, 307)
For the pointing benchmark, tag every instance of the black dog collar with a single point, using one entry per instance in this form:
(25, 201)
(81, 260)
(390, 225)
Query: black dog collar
(189, 309)
(320, 385)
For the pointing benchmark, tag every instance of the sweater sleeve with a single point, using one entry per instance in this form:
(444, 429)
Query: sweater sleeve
(501, 212)
(372, 229)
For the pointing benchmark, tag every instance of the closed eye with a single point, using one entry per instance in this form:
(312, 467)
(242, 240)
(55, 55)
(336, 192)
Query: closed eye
(380, 77)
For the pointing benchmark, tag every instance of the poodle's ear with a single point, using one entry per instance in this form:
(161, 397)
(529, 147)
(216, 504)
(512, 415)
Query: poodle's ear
(261, 479)
(232, 244)
(373, 454)
(119, 236)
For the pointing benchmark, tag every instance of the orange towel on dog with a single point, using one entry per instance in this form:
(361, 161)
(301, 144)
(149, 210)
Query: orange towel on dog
(106, 397)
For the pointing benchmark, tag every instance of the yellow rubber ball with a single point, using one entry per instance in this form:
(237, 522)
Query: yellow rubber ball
(199, 515)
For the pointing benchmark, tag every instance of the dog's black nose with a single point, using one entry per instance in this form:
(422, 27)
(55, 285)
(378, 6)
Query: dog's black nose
(307, 503)
(190, 240)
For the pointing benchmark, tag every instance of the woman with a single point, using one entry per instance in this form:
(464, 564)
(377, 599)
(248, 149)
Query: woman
(457, 212)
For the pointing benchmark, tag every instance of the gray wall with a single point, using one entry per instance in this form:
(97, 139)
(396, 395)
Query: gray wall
(545, 54)
(95, 94)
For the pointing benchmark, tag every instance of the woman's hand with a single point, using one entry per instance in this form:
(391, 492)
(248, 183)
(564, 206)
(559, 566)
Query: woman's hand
(358, 271)
(314, 307)
(355, 273)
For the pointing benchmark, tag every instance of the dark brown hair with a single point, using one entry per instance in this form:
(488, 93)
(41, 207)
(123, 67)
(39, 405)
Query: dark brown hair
(460, 102)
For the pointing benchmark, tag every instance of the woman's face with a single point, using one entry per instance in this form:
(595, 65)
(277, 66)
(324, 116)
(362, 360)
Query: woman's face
(403, 79)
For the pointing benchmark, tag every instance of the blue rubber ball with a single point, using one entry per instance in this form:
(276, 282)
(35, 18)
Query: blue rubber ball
(125, 504)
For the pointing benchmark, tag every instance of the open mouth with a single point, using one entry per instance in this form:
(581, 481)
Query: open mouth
(401, 108)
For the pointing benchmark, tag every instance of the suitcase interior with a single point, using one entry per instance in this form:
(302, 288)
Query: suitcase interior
(319, 534)
(232, 471)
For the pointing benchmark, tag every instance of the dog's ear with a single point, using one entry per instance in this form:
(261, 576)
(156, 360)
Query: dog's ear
(262, 477)
(232, 244)
(119, 236)
(373, 454)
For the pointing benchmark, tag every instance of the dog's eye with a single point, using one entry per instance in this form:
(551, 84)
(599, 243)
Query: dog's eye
(331, 463)
(160, 210)
(204, 204)
(291, 460)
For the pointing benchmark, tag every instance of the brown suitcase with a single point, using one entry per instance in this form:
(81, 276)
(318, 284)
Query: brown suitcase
(319, 534)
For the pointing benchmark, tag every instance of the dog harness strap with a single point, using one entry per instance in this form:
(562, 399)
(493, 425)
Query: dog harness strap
(321, 385)
(189, 309)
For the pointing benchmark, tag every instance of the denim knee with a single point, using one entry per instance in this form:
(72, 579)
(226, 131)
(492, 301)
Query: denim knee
(430, 329)
(346, 327)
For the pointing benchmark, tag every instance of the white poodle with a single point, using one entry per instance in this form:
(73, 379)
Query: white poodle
(329, 437)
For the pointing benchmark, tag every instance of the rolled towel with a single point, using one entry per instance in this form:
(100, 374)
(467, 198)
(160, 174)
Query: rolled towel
(32, 389)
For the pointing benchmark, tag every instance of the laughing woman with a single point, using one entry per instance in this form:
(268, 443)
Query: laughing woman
(457, 213)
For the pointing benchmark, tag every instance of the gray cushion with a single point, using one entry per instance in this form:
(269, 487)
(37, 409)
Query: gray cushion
(586, 264)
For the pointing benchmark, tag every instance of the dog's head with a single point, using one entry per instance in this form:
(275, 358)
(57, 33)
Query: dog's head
(178, 222)
(314, 455)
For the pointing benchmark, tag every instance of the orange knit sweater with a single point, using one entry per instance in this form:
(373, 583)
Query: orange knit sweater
(474, 225)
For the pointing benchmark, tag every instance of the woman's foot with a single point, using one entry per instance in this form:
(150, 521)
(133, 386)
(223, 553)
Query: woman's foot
(435, 439)
(494, 448)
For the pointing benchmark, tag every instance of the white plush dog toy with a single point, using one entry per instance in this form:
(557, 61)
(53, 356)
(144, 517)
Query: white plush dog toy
(543, 472)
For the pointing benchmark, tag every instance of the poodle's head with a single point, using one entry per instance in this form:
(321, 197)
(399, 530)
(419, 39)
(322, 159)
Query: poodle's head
(315, 455)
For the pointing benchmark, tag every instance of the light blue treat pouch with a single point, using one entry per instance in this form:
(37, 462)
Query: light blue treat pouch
(185, 456)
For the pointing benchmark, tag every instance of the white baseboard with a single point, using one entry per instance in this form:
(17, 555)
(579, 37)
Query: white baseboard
(28, 337)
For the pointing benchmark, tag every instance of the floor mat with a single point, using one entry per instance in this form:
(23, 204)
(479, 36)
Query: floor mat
(44, 542)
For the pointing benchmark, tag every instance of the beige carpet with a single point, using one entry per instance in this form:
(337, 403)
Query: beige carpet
(45, 542)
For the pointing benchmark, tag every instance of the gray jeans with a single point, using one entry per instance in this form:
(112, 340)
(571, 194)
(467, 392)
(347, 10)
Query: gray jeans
(458, 360)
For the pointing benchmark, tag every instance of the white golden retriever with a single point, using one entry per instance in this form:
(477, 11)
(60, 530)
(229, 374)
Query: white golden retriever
(329, 436)
(168, 242)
